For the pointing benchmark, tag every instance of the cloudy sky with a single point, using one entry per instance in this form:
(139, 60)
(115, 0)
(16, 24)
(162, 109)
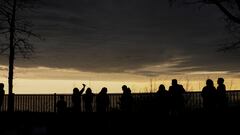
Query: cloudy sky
(109, 40)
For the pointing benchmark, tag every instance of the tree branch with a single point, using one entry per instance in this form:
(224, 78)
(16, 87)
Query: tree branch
(3, 28)
(3, 19)
(24, 47)
(28, 32)
(24, 54)
(227, 13)
(238, 4)
(4, 13)
(2, 50)
(230, 46)
(192, 2)
(8, 3)
(199, 1)
(4, 32)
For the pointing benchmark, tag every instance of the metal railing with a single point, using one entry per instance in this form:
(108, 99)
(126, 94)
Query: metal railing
(47, 102)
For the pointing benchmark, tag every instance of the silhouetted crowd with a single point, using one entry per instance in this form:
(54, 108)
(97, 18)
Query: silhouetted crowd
(173, 101)
(170, 101)
(214, 97)
(102, 100)
(164, 101)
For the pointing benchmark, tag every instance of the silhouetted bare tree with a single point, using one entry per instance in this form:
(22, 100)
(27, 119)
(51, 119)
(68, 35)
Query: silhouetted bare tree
(231, 10)
(16, 31)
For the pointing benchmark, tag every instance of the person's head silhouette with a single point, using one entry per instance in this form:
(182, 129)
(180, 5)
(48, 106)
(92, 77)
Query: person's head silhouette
(129, 91)
(124, 88)
(75, 90)
(161, 88)
(174, 82)
(209, 82)
(104, 90)
(220, 81)
(88, 91)
(1, 86)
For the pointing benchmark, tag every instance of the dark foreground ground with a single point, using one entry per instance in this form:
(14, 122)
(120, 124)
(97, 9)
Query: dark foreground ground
(115, 123)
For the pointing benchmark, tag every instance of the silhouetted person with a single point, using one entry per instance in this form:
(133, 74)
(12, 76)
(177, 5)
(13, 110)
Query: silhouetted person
(102, 100)
(130, 100)
(2, 93)
(209, 96)
(61, 105)
(162, 96)
(176, 92)
(88, 100)
(221, 93)
(123, 101)
(76, 99)
(126, 99)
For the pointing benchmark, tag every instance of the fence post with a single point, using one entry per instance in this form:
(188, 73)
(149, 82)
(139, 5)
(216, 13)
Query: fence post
(11, 102)
(55, 102)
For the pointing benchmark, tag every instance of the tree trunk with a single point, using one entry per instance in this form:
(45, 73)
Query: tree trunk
(11, 57)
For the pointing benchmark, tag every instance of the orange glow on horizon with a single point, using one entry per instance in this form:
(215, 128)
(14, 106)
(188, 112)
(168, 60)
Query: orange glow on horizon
(48, 81)
(35, 86)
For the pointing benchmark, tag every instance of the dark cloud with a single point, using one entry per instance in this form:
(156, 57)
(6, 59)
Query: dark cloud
(122, 35)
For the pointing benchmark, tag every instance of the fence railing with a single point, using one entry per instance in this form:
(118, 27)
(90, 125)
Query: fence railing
(47, 102)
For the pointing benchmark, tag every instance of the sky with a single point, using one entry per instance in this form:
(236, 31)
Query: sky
(141, 43)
